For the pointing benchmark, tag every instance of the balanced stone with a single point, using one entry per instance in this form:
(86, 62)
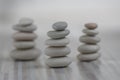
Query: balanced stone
(24, 44)
(88, 48)
(59, 25)
(28, 54)
(89, 39)
(58, 62)
(57, 51)
(29, 28)
(90, 32)
(25, 21)
(20, 36)
(91, 25)
(89, 57)
(57, 42)
(58, 34)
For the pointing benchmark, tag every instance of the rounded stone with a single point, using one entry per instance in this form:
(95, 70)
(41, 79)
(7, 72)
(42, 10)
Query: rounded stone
(89, 39)
(91, 25)
(57, 42)
(57, 51)
(90, 32)
(88, 57)
(24, 44)
(20, 28)
(58, 34)
(61, 25)
(28, 54)
(88, 48)
(25, 21)
(20, 36)
(59, 62)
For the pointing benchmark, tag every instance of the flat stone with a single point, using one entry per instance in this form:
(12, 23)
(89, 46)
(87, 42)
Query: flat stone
(24, 44)
(58, 34)
(28, 54)
(89, 39)
(59, 62)
(20, 36)
(57, 42)
(88, 48)
(91, 25)
(25, 21)
(20, 28)
(88, 57)
(61, 25)
(57, 51)
(90, 32)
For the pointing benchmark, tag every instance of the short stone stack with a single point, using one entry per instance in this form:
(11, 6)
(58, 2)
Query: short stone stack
(24, 41)
(58, 50)
(89, 50)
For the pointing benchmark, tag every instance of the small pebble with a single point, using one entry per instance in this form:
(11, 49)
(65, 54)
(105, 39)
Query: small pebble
(25, 21)
(91, 25)
(90, 32)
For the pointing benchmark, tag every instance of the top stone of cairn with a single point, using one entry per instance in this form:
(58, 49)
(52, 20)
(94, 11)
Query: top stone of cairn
(25, 21)
(91, 25)
(59, 26)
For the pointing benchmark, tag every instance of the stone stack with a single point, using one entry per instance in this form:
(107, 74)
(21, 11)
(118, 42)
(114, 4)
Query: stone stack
(58, 50)
(24, 41)
(89, 50)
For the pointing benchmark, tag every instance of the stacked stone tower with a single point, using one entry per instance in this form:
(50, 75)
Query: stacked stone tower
(58, 50)
(89, 50)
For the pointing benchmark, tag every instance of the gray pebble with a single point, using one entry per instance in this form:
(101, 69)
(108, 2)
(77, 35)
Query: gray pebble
(89, 39)
(91, 25)
(57, 42)
(89, 57)
(58, 62)
(20, 28)
(88, 48)
(24, 44)
(57, 51)
(58, 34)
(90, 32)
(20, 36)
(25, 21)
(29, 54)
(61, 25)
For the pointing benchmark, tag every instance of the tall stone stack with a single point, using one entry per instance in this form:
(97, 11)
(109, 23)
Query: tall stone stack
(58, 50)
(24, 41)
(89, 50)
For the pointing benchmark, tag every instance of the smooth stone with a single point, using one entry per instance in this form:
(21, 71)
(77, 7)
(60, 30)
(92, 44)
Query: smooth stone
(57, 51)
(88, 57)
(20, 36)
(91, 25)
(90, 32)
(24, 44)
(88, 48)
(58, 34)
(89, 39)
(59, 62)
(30, 28)
(25, 21)
(28, 54)
(57, 42)
(61, 25)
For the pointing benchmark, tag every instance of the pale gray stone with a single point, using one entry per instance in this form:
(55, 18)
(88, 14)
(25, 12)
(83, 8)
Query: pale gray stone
(57, 51)
(58, 34)
(88, 48)
(28, 54)
(29, 28)
(88, 57)
(24, 44)
(89, 39)
(91, 25)
(25, 21)
(57, 42)
(21, 36)
(61, 25)
(90, 32)
(59, 62)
